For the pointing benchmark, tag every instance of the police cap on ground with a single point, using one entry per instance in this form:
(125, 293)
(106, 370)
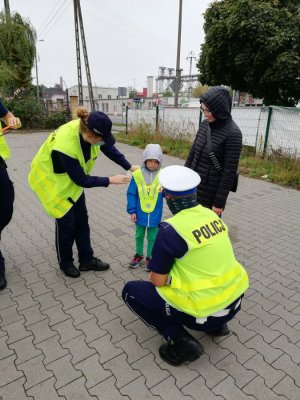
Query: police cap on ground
(177, 178)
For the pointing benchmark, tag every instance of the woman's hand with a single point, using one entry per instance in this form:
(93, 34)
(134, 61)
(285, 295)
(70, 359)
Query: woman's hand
(133, 217)
(134, 168)
(119, 179)
(14, 123)
(218, 211)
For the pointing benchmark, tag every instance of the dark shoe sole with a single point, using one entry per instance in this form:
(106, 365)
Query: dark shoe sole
(223, 331)
(173, 360)
(4, 284)
(82, 268)
(71, 275)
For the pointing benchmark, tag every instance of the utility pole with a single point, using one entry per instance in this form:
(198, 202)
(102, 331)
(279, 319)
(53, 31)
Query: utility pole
(67, 98)
(79, 22)
(178, 70)
(79, 73)
(7, 9)
(37, 75)
(36, 69)
(191, 57)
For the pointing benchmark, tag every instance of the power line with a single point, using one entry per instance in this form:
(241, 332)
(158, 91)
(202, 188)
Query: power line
(48, 16)
(137, 38)
(53, 21)
(138, 31)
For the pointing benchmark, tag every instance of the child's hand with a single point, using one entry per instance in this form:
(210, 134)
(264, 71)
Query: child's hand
(133, 217)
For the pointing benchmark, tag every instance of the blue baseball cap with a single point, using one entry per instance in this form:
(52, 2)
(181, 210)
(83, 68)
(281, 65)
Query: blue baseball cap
(100, 124)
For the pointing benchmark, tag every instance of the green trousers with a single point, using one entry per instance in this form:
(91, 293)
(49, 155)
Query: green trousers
(139, 239)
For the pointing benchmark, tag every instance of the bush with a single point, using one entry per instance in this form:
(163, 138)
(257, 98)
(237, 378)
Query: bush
(30, 111)
(56, 119)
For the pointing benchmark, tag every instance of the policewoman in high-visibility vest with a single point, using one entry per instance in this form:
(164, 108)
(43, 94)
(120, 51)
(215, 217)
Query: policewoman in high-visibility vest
(59, 172)
(195, 280)
(7, 193)
(144, 202)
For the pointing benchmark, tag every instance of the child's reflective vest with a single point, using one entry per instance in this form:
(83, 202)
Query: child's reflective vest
(148, 194)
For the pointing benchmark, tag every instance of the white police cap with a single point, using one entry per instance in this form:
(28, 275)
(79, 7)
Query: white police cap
(178, 178)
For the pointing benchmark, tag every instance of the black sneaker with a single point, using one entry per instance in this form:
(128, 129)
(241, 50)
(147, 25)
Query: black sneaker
(183, 348)
(94, 265)
(147, 264)
(3, 282)
(71, 271)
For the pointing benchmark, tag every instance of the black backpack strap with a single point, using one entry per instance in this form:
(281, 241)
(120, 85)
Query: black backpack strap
(212, 155)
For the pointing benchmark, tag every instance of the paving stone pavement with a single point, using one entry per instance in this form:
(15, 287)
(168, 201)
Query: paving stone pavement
(63, 338)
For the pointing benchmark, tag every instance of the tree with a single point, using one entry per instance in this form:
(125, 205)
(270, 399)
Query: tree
(28, 108)
(253, 46)
(168, 93)
(17, 51)
(198, 91)
(132, 93)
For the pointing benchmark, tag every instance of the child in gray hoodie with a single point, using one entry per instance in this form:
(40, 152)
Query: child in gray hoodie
(145, 202)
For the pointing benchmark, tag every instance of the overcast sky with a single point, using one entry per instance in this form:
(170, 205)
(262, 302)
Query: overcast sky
(127, 40)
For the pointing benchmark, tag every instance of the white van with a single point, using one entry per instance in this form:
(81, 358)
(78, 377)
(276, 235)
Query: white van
(192, 104)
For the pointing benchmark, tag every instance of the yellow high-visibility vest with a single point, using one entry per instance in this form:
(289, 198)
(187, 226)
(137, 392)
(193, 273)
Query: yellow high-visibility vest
(57, 192)
(148, 194)
(4, 149)
(207, 278)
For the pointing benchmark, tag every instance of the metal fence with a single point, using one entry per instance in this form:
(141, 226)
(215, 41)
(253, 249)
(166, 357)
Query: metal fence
(267, 129)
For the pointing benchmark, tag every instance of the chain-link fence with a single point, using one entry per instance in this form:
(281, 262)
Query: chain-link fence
(267, 129)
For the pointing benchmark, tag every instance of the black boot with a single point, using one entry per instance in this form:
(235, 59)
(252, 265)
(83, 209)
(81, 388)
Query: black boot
(183, 348)
(94, 265)
(222, 331)
(3, 282)
(70, 271)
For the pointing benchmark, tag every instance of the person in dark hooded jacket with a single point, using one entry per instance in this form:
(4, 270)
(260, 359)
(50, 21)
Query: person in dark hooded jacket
(226, 139)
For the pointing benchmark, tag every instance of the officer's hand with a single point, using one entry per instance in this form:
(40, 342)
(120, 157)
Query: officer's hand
(119, 179)
(133, 217)
(14, 122)
(134, 168)
(218, 211)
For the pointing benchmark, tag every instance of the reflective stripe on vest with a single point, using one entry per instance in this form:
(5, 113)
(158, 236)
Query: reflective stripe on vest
(57, 192)
(207, 278)
(148, 194)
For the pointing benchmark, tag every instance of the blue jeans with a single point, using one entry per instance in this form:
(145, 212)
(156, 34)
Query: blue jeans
(142, 298)
(73, 226)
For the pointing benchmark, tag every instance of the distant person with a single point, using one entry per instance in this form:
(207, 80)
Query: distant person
(195, 279)
(226, 145)
(7, 194)
(59, 173)
(144, 203)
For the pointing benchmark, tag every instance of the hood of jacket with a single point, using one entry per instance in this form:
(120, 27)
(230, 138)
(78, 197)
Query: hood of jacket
(153, 152)
(217, 100)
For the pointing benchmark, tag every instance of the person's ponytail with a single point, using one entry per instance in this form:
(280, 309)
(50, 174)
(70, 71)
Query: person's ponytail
(83, 114)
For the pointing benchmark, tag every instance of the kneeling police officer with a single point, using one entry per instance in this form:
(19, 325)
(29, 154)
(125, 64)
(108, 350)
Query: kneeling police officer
(195, 280)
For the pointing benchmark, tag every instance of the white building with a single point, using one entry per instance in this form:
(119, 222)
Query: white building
(102, 95)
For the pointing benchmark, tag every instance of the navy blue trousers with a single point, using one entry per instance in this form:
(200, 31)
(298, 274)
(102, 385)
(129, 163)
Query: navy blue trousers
(142, 298)
(73, 227)
(7, 196)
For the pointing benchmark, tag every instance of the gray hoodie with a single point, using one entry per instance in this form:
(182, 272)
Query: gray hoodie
(151, 152)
